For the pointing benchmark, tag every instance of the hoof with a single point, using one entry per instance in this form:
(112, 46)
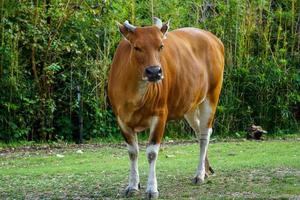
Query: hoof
(197, 180)
(130, 192)
(206, 175)
(151, 195)
(211, 170)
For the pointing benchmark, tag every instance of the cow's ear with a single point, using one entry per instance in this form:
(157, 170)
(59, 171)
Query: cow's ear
(165, 27)
(123, 30)
(126, 29)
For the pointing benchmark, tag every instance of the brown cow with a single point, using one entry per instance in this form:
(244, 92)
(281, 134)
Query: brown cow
(158, 76)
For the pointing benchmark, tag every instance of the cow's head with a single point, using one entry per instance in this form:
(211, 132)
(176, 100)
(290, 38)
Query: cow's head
(146, 47)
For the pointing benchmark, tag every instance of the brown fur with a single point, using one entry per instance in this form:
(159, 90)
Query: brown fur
(192, 62)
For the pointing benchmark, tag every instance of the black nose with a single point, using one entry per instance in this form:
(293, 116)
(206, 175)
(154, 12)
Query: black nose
(153, 73)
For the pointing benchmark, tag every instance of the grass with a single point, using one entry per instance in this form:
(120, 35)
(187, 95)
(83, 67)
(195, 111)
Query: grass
(245, 169)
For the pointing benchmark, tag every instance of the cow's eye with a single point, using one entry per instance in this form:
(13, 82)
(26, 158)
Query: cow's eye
(137, 49)
(161, 47)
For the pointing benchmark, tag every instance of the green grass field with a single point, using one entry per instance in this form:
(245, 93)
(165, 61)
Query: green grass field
(246, 169)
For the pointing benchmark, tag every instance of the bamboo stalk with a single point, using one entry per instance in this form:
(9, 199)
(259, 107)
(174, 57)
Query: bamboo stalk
(132, 11)
(293, 27)
(16, 55)
(71, 94)
(236, 36)
(33, 50)
(152, 10)
(279, 31)
(11, 68)
(267, 32)
(2, 38)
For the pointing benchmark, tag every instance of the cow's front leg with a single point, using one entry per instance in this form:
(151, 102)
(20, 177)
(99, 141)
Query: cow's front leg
(156, 133)
(134, 179)
(133, 151)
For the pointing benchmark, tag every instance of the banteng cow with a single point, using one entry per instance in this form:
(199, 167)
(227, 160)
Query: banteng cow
(157, 76)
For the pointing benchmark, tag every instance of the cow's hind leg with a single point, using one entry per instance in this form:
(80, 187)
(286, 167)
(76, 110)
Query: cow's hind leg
(208, 169)
(201, 121)
(133, 151)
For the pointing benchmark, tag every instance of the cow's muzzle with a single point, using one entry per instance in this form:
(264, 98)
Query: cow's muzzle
(153, 74)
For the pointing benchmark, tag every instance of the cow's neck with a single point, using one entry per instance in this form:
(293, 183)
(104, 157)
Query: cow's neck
(141, 91)
(138, 91)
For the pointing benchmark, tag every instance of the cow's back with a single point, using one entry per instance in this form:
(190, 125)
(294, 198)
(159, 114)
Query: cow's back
(193, 61)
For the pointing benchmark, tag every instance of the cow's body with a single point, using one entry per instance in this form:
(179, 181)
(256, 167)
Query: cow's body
(192, 64)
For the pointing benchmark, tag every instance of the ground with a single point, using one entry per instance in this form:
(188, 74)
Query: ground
(244, 169)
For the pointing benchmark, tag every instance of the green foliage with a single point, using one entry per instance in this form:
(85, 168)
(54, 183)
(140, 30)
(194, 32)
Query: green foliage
(49, 48)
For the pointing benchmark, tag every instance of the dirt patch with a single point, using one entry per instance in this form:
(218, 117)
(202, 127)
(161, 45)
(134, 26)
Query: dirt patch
(58, 148)
(45, 149)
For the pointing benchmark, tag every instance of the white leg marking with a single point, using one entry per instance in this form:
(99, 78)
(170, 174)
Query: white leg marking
(133, 151)
(152, 153)
(204, 141)
(205, 132)
(198, 120)
(134, 179)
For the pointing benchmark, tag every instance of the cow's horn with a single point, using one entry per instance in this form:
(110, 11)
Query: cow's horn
(157, 22)
(129, 26)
